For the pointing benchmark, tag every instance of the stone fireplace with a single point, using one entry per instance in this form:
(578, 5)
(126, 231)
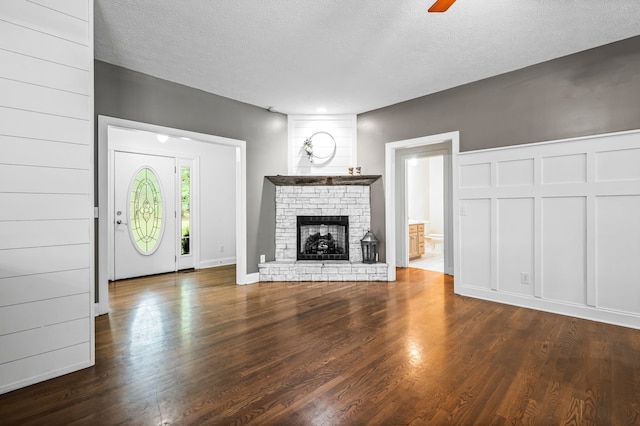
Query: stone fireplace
(319, 223)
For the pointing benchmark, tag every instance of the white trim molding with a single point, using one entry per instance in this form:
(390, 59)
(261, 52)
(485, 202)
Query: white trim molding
(252, 278)
(214, 263)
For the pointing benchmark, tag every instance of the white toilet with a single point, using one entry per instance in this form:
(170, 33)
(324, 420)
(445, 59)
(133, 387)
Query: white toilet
(434, 243)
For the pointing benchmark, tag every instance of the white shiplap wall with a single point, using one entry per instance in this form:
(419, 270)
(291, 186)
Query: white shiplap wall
(341, 127)
(553, 226)
(46, 189)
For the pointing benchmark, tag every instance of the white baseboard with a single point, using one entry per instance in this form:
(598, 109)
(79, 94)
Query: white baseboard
(217, 262)
(251, 278)
(100, 309)
(578, 311)
(247, 279)
(44, 376)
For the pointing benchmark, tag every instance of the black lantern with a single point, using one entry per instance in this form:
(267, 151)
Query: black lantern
(369, 245)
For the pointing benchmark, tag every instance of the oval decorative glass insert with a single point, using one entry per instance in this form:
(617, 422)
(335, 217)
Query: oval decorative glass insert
(145, 211)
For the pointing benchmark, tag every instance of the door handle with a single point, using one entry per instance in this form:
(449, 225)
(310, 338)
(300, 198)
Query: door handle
(119, 222)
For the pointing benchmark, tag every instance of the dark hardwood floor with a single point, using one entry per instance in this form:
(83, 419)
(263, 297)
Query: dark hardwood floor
(194, 348)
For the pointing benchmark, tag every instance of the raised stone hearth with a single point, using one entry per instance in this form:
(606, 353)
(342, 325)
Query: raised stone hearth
(330, 270)
(321, 196)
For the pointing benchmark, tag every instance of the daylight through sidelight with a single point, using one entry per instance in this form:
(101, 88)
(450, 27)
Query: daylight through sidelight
(185, 215)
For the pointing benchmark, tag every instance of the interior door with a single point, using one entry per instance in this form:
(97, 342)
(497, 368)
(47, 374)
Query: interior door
(144, 215)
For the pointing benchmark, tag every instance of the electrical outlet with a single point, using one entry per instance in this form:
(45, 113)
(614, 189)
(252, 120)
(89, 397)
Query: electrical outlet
(262, 258)
(524, 278)
(221, 248)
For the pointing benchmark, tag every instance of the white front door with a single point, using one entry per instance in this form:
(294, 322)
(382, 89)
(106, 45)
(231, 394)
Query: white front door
(144, 215)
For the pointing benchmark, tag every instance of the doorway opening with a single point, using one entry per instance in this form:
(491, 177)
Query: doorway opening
(425, 211)
(187, 150)
(397, 237)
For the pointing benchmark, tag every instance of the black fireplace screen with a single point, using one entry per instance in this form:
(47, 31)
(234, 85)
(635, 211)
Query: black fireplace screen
(323, 238)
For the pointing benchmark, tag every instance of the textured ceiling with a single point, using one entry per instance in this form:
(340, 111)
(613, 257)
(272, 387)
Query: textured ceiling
(349, 56)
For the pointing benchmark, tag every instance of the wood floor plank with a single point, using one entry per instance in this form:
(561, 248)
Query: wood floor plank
(194, 348)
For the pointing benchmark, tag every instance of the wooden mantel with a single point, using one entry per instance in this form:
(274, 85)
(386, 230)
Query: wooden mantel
(323, 180)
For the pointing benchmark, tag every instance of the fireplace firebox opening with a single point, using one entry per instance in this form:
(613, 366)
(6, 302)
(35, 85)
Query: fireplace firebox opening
(322, 238)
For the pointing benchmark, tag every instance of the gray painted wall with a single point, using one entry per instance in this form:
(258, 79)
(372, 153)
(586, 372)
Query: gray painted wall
(591, 92)
(131, 95)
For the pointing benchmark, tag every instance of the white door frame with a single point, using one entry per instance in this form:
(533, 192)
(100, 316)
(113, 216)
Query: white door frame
(390, 192)
(104, 122)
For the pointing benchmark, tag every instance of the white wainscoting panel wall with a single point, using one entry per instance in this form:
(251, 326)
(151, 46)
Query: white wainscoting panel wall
(46, 190)
(553, 226)
(341, 127)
